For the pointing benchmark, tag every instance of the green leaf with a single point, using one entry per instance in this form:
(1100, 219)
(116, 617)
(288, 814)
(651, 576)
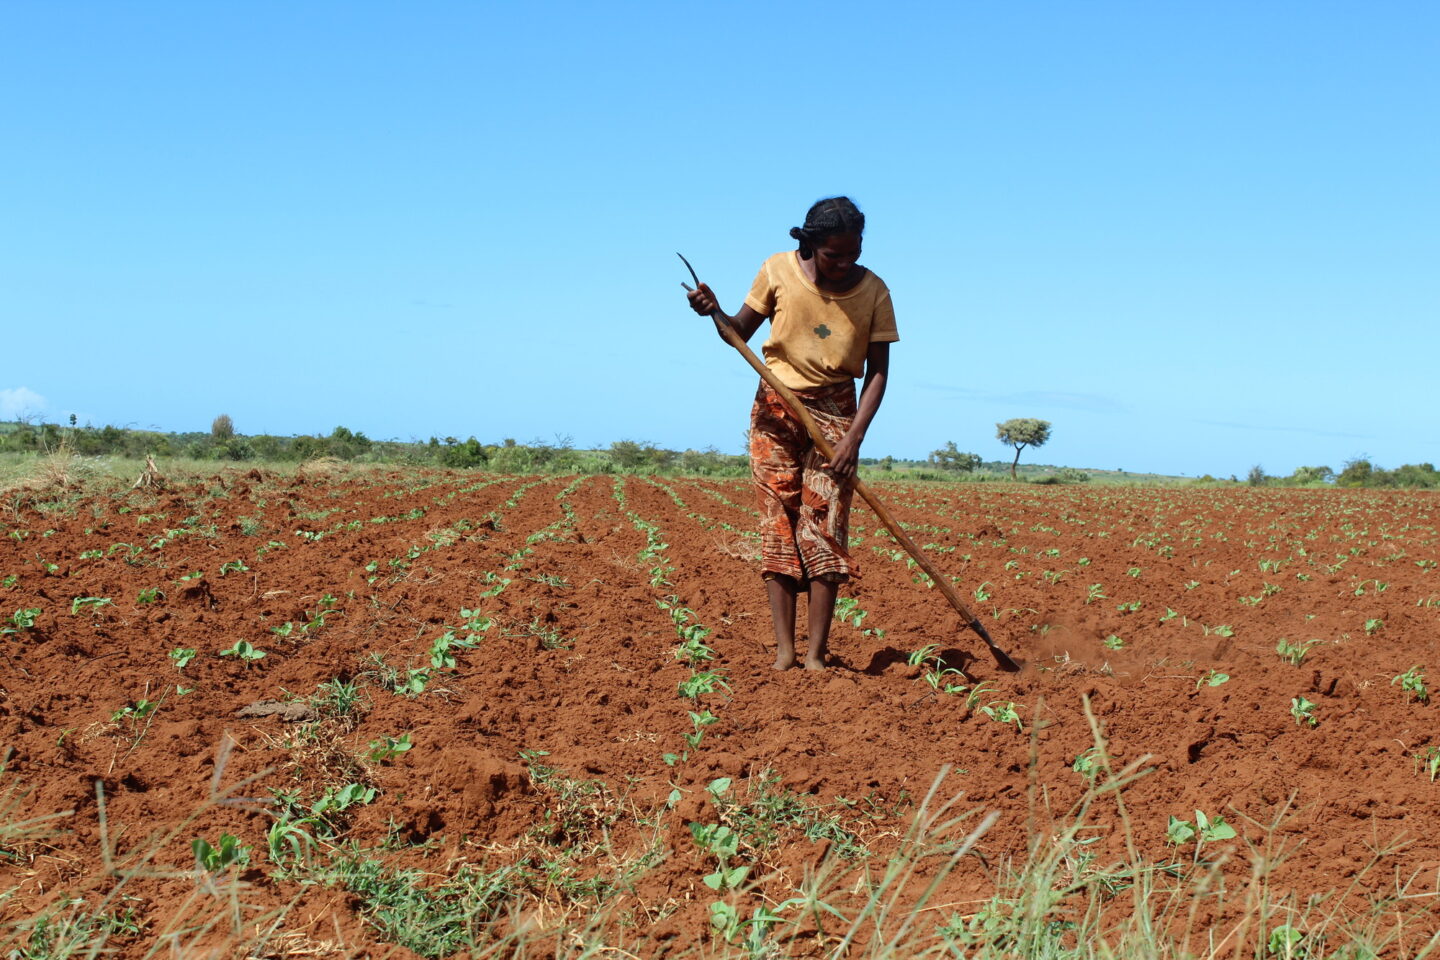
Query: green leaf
(1218, 829)
(1179, 831)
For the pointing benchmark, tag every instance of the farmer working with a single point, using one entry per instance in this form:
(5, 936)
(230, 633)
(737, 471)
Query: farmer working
(831, 322)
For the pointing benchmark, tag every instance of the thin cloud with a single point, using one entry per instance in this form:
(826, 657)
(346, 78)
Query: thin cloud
(17, 402)
(1273, 428)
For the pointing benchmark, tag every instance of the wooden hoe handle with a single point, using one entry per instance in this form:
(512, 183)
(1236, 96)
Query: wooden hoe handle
(1002, 658)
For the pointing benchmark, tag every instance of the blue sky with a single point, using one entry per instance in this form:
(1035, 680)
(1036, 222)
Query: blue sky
(1194, 236)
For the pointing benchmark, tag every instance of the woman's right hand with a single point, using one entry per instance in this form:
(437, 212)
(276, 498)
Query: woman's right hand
(703, 301)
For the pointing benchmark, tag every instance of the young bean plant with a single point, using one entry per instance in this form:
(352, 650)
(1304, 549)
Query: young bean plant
(1412, 681)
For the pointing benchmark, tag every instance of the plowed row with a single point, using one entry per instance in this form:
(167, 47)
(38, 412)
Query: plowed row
(553, 748)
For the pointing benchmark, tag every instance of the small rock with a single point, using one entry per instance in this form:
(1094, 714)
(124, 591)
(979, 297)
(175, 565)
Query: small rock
(293, 711)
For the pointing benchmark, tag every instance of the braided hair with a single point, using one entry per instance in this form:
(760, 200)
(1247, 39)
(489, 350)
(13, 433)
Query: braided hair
(825, 219)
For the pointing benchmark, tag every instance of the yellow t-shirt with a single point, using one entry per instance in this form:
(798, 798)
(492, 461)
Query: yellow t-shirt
(817, 337)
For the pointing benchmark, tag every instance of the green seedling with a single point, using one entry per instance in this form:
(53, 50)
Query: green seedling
(1087, 764)
(138, 710)
(1204, 830)
(228, 853)
(181, 657)
(288, 841)
(1294, 653)
(1095, 592)
(413, 683)
(10, 581)
(1113, 642)
(981, 689)
(847, 610)
(193, 577)
(1303, 711)
(1211, 678)
(1003, 713)
(337, 800)
(723, 844)
(699, 721)
(1169, 615)
(495, 584)
(1284, 942)
(1373, 624)
(477, 623)
(700, 684)
(1130, 607)
(21, 620)
(442, 656)
(247, 653)
(516, 560)
(92, 554)
(1429, 759)
(1412, 681)
(89, 603)
(233, 566)
(338, 698)
(981, 594)
(548, 637)
(323, 609)
(284, 630)
(150, 595)
(935, 671)
(692, 648)
(389, 748)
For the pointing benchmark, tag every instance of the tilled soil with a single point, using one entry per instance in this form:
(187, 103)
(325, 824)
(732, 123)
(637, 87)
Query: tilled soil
(546, 741)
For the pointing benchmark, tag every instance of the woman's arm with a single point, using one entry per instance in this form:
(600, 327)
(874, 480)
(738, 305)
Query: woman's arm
(745, 323)
(877, 372)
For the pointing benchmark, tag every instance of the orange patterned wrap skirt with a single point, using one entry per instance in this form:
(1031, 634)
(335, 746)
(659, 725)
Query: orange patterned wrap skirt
(804, 513)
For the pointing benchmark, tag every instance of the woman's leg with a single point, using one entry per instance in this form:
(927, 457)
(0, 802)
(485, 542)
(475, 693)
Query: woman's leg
(776, 450)
(822, 611)
(782, 591)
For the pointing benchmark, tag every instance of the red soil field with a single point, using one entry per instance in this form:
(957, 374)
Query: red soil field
(1126, 598)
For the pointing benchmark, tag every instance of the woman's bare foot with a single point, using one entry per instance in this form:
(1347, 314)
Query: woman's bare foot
(813, 664)
(784, 654)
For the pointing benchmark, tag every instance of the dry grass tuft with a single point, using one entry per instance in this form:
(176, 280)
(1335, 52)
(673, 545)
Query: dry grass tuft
(57, 475)
(317, 467)
(736, 546)
(57, 471)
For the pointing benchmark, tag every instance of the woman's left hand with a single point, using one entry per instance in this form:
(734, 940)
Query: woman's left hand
(845, 458)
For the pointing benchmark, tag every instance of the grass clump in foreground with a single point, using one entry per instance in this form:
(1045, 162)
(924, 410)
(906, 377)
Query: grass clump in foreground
(571, 891)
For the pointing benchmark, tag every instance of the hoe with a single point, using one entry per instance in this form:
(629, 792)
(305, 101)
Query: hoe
(1002, 658)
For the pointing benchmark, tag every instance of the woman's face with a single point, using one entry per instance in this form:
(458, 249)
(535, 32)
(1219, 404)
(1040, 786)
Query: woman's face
(836, 255)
